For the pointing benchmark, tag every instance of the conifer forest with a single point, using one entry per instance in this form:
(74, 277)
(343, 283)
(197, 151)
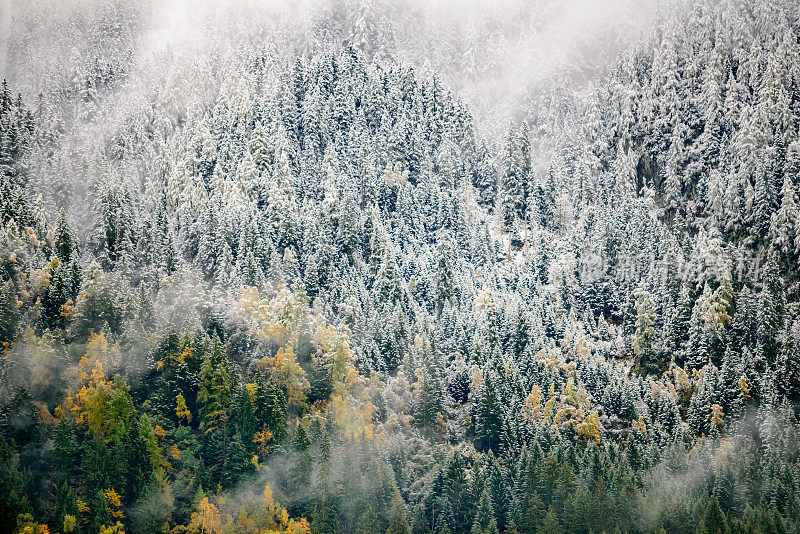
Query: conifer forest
(399, 266)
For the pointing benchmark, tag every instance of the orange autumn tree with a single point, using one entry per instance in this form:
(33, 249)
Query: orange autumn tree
(717, 416)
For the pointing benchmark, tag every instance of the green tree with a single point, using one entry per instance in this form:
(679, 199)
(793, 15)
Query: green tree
(644, 336)
(10, 316)
(301, 469)
(714, 520)
(485, 522)
(237, 462)
(397, 517)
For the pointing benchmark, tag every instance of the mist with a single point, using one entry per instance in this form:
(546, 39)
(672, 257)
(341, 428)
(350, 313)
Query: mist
(494, 55)
(406, 266)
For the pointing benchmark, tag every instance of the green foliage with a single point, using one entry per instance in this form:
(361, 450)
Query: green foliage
(586, 326)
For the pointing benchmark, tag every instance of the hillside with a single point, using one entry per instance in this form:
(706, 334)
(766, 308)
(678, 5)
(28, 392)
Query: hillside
(288, 278)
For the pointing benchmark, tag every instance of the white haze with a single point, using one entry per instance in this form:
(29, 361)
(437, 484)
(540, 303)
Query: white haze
(492, 54)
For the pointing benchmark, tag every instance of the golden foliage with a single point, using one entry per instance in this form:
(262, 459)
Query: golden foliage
(280, 321)
(717, 416)
(283, 366)
(44, 414)
(277, 319)
(114, 504)
(182, 411)
(533, 410)
(683, 388)
(116, 528)
(67, 309)
(262, 439)
(98, 350)
(207, 519)
(590, 428)
(744, 388)
(566, 410)
(484, 299)
(334, 351)
(100, 404)
(640, 426)
(581, 347)
(252, 389)
(27, 525)
(277, 520)
(69, 524)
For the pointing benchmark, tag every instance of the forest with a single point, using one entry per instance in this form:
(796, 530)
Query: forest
(290, 275)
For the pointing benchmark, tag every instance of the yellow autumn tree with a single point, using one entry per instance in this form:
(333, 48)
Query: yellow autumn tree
(114, 504)
(334, 351)
(27, 525)
(99, 350)
(70, 522)
(285, 369)
(590, 428)
(276, 519)
(116, 528)
(279, 321)
(181, 410)
(533, 409)
(101, 404)
(744, 388)
(207, 519)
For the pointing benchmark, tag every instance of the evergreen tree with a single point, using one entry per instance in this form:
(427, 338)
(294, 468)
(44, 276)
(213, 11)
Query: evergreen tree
(485, 522)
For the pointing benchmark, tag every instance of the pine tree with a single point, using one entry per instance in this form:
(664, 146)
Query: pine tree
(644, 336)
(789, 369)
(786, 221)
(10, 316)
(488, 411)
(96, 308)
(367, 521)
(237, 461)
(300, 476)
(771, 308)
(485, 522)
(550, 523)
(115, 231)
(516, 163)
(397, 517)
(714, 520)
(445, 276)
(498, 493)
(65, 244)
(325, 517)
